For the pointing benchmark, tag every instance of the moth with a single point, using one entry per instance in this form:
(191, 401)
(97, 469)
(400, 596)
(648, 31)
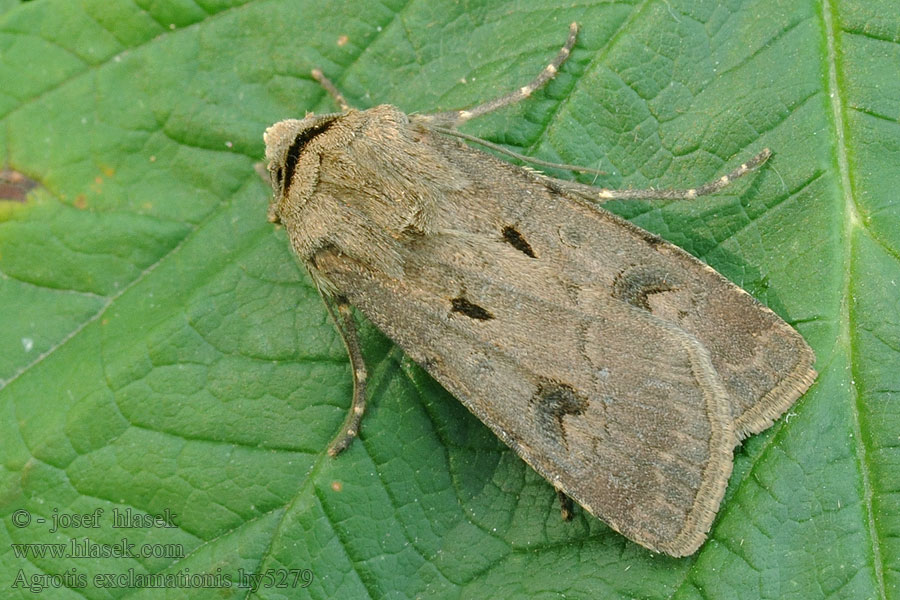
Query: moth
(620, 367)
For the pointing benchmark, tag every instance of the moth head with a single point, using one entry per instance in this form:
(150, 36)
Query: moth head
(286, 142)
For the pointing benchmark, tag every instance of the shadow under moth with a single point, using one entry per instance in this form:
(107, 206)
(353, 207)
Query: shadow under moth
(617, 365)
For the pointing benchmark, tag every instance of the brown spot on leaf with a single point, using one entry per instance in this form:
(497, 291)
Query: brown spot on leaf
(14, 186)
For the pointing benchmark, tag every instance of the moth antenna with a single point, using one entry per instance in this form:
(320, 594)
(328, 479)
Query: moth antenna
(454, 118)
(331, 89)
(595, 194)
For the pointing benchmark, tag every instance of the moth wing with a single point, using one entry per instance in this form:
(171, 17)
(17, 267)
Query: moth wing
(620, 367)
(765, 365)
(615, 406)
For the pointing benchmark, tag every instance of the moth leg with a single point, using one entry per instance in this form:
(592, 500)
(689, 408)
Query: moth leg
(332, 90)
(455, 118)
(565, 505)
(598, 195)
(340, 312)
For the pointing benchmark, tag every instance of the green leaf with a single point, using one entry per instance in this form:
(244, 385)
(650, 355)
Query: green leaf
(160, 349)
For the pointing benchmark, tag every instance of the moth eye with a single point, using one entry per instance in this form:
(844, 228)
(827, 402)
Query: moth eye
(469, 309)
(514, 238)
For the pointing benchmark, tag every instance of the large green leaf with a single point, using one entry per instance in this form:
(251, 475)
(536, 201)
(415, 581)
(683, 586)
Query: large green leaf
(161, 350)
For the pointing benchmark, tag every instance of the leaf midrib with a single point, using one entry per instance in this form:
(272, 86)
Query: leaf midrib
(851, 223)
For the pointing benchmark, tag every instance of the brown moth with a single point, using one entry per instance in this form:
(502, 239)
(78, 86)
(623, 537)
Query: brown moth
(621, 368)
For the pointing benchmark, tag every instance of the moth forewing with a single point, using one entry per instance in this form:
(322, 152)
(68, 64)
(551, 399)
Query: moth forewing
(621, 368)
